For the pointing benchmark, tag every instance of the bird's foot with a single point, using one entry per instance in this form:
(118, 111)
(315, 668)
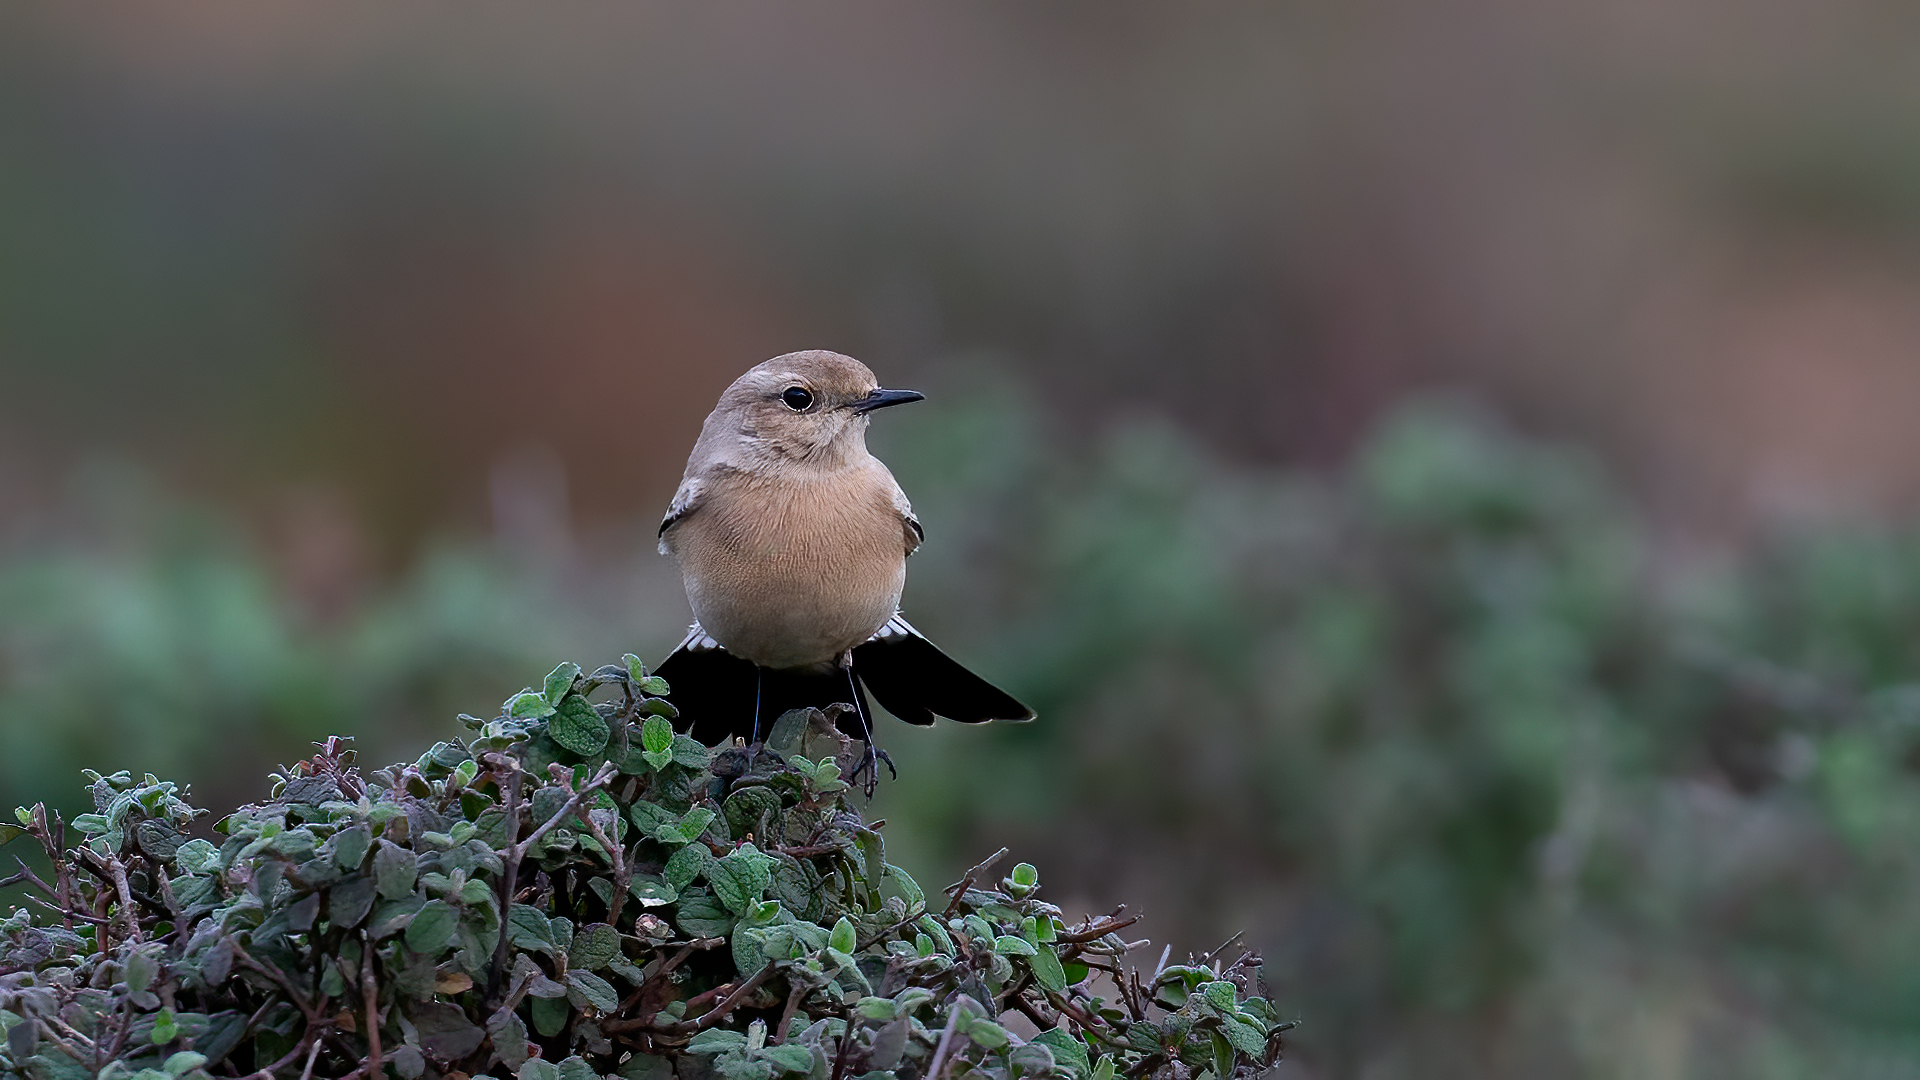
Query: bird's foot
(869, 767)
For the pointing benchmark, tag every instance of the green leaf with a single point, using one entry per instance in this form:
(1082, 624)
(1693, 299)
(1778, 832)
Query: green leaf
(688, 753)
(702, 915)
(142, 967)
(1009, 945)
(656, 735)
(528, 928)
(789, 1057)
(1047, 970)
(593, 946)
(1221, 995)
(1245, 1037)
(550, 1016)
(730, 881)
(651, 817)
(394, 870)
(184, 1062)
(559, 683)
(529, 705)
(1033, 1059)
(908, 888)
(988, 1035)
(843, 937)
(686, 865)
(509, 1038)
(1067, 1050)
(165, 1028)
(538, 1069)
(349, 847)
(690, 826)
(654, 686)
(635, 669)
(445, 1032)
(432, 929)
(715, 1041)
(740, 877)
(1025, 876)
(576, 1068)
(1103, 1070)
(392, 915)
(197, 857)
(651, 891)
(931, 926)
(578, 727)
(1222, 1054)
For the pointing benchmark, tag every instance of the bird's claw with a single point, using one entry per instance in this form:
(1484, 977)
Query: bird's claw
(869, 766)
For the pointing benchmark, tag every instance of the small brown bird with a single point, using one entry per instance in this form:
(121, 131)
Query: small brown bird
(793, 541)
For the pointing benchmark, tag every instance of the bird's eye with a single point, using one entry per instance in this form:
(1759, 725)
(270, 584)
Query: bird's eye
(797, 398)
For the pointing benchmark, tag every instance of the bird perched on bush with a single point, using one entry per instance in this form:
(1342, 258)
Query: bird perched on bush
(793, 542)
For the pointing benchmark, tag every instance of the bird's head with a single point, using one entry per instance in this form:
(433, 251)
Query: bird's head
(805, 406)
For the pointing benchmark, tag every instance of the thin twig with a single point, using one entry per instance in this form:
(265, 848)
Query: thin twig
(510, 874)
(1092, 1025)
(26, 874)
(959, 889)
(794, 997)
(46, 1028)
(719, 1012)
(1032, 1013)
(279, 978)
(70, 915)
(946, 1043)
(1220, 949)
(312, 1056)
(1093, 931)
(606, 773)
(622, 877)
(370, 990)
(292, 1056)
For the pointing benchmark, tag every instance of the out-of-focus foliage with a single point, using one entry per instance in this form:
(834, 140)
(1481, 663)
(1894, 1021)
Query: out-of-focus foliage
(1503, 783)
(573, 893)
(139, 633)
(1529, 791)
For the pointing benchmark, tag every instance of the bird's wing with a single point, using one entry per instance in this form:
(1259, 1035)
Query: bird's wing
(910, 530)
(685, 501)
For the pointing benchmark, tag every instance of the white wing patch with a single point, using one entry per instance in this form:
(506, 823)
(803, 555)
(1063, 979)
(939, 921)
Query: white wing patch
(894, 629)
(685, 501)
(913, 534)
(698, 640)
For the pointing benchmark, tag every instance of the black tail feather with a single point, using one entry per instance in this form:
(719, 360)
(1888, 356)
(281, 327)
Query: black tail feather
(911, 678)
(915, 681)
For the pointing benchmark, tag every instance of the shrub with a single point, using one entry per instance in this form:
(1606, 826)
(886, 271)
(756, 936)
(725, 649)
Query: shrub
(573, 891)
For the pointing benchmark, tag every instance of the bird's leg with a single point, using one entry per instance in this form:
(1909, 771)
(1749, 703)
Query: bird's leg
(759, 680)
(870, 761)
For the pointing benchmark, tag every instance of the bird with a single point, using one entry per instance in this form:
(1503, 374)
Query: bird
(792, 540)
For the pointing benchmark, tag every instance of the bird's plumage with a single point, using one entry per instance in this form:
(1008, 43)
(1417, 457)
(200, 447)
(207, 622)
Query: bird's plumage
(793, 542)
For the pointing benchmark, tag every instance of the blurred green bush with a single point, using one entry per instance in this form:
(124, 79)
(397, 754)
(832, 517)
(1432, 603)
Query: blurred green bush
(1513, 784)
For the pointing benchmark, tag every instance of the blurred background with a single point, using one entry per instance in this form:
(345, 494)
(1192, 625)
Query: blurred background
(1443, 472)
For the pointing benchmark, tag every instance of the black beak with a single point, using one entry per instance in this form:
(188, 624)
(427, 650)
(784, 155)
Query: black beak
(880, 399)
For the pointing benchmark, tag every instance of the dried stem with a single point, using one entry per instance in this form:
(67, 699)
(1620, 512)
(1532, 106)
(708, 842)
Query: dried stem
(510, 874)
(719, 1012)
(370, 991)
(607, 772)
